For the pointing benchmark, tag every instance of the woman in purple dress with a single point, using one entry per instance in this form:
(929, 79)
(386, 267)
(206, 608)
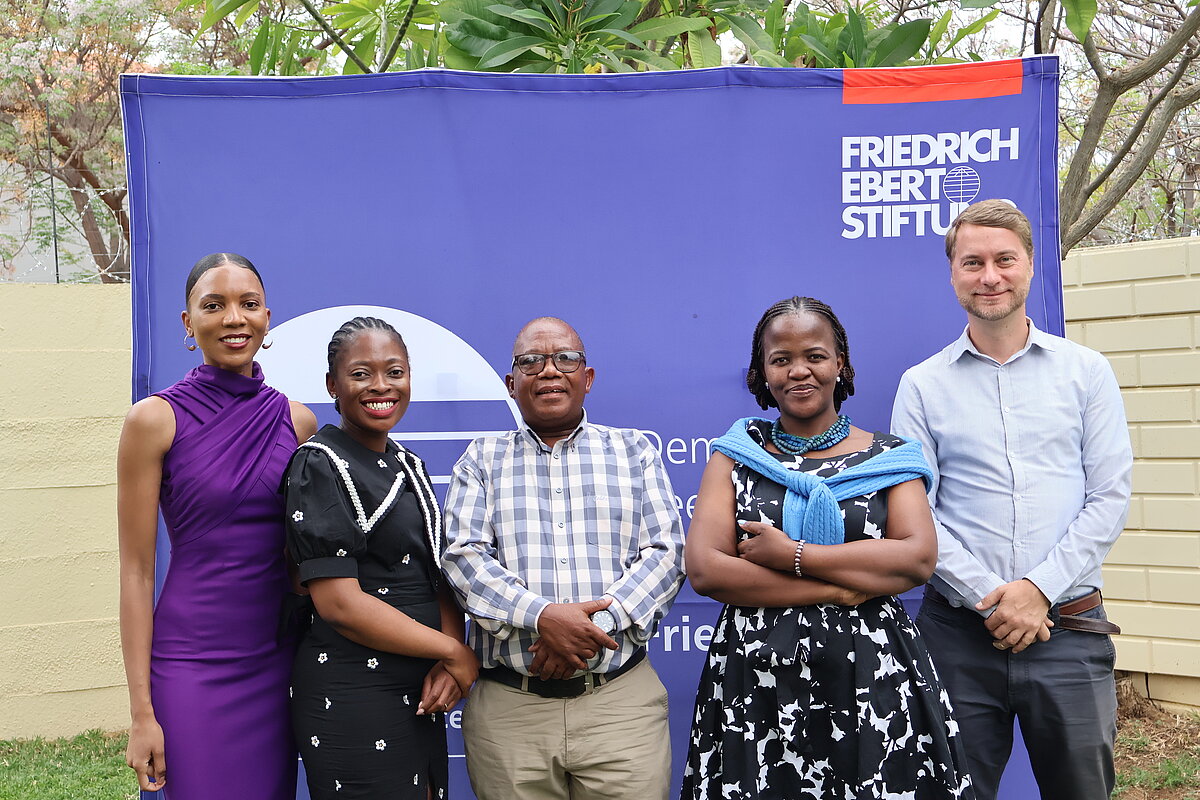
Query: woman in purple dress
(208, 673)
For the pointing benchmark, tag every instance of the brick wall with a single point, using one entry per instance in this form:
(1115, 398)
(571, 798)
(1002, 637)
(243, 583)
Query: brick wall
(65, 362)
(1139, 304)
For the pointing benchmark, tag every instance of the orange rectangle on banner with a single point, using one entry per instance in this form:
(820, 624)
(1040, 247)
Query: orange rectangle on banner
(926, 84)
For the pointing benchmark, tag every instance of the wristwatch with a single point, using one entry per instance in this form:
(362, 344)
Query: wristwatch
(605, 621)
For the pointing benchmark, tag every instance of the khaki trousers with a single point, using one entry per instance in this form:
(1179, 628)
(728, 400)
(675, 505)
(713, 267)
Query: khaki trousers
(612, 744)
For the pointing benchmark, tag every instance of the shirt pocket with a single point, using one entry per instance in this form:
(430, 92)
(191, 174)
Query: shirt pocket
(611, 526)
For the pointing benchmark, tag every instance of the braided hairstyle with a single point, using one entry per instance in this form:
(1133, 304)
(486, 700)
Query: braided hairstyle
(216, 260)
(349, 332)
(755, 381)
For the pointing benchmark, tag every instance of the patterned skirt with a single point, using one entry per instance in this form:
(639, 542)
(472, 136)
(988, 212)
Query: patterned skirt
(822, 702)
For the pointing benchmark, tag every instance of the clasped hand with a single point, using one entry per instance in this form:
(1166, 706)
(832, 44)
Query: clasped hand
(1019, 618)
(772, 548)
(767, 546)
(449, 681)
(568, 638)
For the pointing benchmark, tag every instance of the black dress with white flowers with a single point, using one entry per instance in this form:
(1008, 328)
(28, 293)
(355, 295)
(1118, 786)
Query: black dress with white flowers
(354, 708)
(824, 702)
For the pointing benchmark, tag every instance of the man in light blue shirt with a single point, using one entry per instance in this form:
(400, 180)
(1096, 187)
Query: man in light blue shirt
(1027, 438)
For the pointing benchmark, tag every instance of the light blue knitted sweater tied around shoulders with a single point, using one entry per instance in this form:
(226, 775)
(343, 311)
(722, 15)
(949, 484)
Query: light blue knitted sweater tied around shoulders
(810, 507)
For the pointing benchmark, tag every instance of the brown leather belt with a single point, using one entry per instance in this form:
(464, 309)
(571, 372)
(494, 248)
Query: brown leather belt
(566, 688)
(1063, 615)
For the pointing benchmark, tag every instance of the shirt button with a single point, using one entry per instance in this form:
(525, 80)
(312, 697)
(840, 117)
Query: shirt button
(562, 561)
(560, 524)
(1016, 497)
(556, 455)
(558, 491)
(1006, 409)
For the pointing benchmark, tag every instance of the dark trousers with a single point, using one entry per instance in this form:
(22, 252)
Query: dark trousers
(1061, 691)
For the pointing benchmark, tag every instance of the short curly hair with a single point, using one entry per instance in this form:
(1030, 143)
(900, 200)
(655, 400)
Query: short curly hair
(755, 381)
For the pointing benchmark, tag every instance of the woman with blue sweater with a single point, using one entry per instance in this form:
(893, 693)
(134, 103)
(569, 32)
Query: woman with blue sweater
(816, 684)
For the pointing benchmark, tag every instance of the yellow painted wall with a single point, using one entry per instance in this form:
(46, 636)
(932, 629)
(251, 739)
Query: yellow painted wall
(1140, 306)
(64, 388)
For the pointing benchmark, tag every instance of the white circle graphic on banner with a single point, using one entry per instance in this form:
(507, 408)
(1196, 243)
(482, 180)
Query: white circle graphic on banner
(445, 369)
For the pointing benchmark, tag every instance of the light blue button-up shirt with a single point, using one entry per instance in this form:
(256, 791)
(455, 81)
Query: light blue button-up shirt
(1031, 462)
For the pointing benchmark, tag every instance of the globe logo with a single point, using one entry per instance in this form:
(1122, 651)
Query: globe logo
(961, 185)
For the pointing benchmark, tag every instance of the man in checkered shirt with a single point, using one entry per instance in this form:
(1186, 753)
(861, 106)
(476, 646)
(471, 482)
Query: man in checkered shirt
(565, 545)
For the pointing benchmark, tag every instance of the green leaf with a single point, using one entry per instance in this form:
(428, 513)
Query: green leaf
(825, 58)
(258, 48)
(623, 35)
(526, 16)
(973, 28)
(852, 41)
(592, 22)
(244, 14)
(537, 67)
(454, 58)
(506, 51)
(939, 30)
(749, 32)
(651, 59)
(273, 52)
(475, 36)
(216, 11)
(773, 22)
(766, 58)
(1080, 14)
(600, 8)
(702, 50)
(289, 53)
(613, 59)
(902, 44)
(365, 50)
(434, 55)
(660, 28)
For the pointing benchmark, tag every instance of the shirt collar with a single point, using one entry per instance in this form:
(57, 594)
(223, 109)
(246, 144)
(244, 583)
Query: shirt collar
(575, 434)
(963, 344)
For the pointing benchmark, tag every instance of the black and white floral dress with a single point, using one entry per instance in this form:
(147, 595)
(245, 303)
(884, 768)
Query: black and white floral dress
(354, 708)
(824, 702)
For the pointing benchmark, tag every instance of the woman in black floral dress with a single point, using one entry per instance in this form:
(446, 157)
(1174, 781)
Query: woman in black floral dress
(384, 658)
(816, 685)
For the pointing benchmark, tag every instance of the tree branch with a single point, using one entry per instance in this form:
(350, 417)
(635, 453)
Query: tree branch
(332, 34)
(1130, 171)
(1144, 116)
(391, 53)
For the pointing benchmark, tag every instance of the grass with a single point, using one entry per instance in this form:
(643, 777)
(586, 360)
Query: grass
(1170, 773)
(1157, 758)
(90, 766)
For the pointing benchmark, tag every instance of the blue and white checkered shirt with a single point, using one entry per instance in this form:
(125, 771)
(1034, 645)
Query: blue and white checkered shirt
(528, 525)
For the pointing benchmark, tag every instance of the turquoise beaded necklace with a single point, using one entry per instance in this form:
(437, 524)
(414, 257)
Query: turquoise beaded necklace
(799, 445)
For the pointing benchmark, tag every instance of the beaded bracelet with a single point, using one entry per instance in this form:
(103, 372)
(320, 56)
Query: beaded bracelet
(796, 560)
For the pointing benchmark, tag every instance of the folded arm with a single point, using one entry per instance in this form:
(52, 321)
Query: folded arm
(715, 568)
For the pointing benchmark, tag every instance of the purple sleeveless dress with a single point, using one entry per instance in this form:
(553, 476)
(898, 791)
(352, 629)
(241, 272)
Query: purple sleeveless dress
(219, 673)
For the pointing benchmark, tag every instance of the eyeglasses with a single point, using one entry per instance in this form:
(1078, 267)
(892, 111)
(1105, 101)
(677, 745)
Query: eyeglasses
(565, 361)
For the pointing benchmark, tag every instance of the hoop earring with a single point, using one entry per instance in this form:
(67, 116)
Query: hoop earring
(267, 345)
(187, 336)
